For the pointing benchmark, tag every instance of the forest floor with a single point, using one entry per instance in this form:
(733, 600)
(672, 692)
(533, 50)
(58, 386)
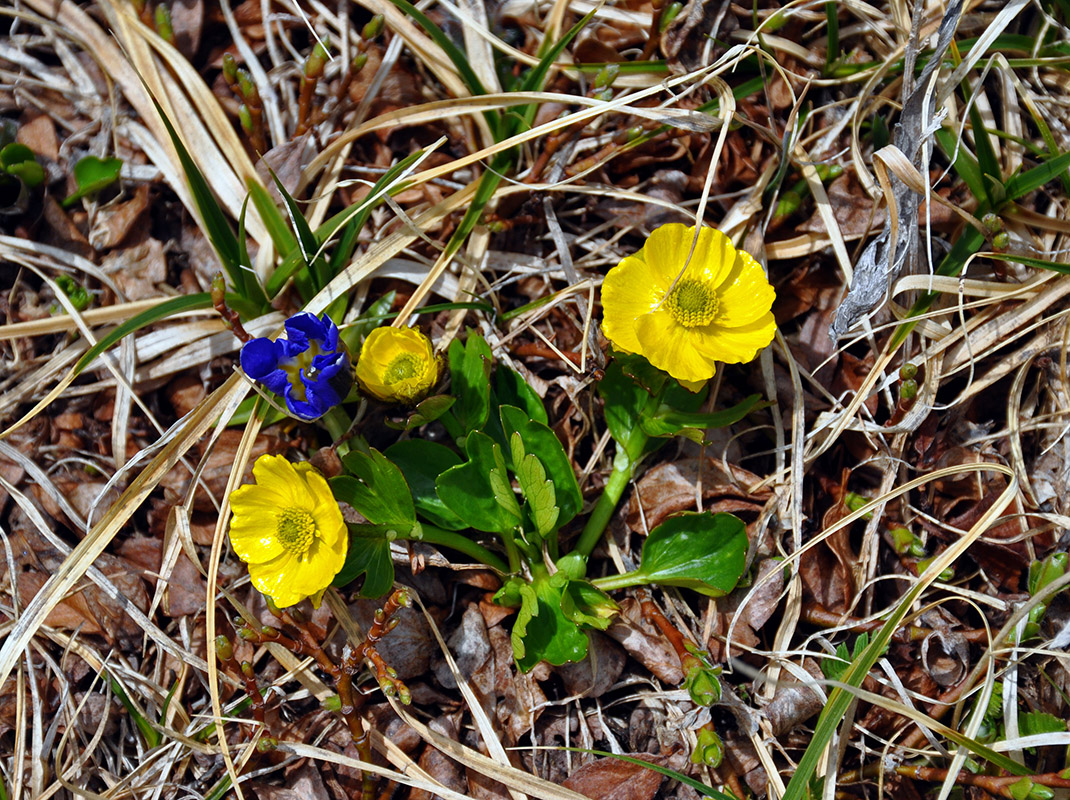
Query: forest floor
(893, 622)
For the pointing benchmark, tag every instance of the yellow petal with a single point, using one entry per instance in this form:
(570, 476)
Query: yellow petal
(746, 296)
(667, 248)
(672, 347)
(273, 579)
(629, 291)
(276, 474)
(740, 344)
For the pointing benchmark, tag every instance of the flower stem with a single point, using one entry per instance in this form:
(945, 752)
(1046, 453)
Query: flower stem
(337, 423)
(627, 456)
(603, 509)
(462, 544)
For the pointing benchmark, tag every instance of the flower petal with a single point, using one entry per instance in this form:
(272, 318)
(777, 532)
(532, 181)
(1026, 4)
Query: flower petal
(672, 347)
(273, 578)
(667, 248)
(629, 291)
(739, 344)
(260, 361)
(276, 474)
(746, 295)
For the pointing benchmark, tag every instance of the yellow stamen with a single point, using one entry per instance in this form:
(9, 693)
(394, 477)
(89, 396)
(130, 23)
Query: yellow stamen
(692, 303)
(295, 528)
(405, 366)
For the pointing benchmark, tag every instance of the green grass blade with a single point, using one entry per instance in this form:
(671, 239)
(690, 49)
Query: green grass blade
(986, 156)
(832, 51)
(216, 225)
(278, 229)
(965, 165)
(307, 245)
(839, 699)
(356, 215)
(1025, 182)
(176, 305)
(148, 733)
(1039, 263)
(454, 54)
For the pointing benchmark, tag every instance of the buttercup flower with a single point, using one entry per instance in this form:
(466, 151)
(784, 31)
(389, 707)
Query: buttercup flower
(718, 310)
(310, 368)
(397, 365)
(288, 528)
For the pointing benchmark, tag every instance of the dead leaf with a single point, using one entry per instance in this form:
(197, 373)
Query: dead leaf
(115, 221)
(137, 270)
(598, 672)
(612, 779)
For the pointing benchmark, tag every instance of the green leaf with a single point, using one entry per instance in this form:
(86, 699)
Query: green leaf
(624, 400)
(511, 389)
(426, 411)
(965, 165)
(700, 551)
(541, 630)
(669, 422)
(91, 174)
(470, 365)
(540, 440)
(422, 462)
(376, 488)
(165, 309)
(1037, 722)
(478, 491)
(538, 491)
(20, 161)
(585, 604)
(369, 555)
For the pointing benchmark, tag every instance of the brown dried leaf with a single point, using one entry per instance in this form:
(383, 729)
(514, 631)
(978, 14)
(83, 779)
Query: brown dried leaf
(598, 672)
(138, 269)
(612, 779)
(670, 487)
(649, 649)
(115, 221)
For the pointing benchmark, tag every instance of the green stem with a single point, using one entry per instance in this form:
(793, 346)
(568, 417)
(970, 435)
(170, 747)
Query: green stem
(337, 423)
(627, 456)
(603, 509)
(611, 582)
(462, 544)
(513, 552)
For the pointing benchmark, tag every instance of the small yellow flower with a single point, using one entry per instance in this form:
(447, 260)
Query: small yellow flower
(288, 528)
(397, 365)
(718, 310)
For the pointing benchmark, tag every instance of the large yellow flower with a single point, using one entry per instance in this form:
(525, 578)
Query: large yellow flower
(718, 309)
(288, 528)
(397, 365)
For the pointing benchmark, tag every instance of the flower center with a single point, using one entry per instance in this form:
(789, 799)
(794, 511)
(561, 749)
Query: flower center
(302, 361)
(295, 529)
(402, 368)
(692, 303)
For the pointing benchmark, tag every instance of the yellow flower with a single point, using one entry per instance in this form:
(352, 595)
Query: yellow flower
(288, 528)
(718, 310)
(397, 365)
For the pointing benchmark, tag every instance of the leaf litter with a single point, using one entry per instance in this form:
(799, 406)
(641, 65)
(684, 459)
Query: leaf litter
(989, 351)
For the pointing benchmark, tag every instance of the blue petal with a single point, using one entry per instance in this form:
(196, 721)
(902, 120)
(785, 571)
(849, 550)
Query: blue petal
(301, 409)
(308, 327)
(260, 361)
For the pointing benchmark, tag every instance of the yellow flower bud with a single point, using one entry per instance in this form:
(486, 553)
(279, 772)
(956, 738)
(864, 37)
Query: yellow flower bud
(397, 365)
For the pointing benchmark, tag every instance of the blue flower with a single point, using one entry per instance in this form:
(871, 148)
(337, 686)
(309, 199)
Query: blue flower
(310, 368)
